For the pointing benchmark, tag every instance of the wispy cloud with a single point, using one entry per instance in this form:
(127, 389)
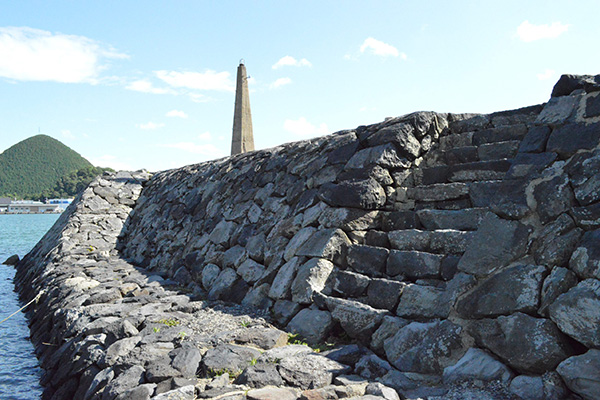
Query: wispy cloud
(176, 114)
(529, 32)
(380, 48)
(205, 136)
(280, 82)
(302, 127)
(145, 86)
(150, 126)
(67, 134)
(206, 149)
(28, 54)
(547, 74)
(208, 80)
(291, 61)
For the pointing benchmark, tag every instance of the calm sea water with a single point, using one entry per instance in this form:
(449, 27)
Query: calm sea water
(19, 370)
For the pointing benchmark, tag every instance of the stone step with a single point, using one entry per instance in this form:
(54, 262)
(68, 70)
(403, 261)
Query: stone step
(439, 241)
(498, 150)
(464, 172)
(500, 134)
(479, 171)
(438, 192)
(462, 220)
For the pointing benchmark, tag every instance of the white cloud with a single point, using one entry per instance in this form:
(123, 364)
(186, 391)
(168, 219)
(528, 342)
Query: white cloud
(381, 49)
(205, 136)
(529, 32)
(150, 126)
(110, 161)
(291, 61)
(547, 74)
(177, 113)
(67, 134)
(145, 86)
(302, 127)
(280, 82)
(209, 80)
(206, 149)
(28, 54)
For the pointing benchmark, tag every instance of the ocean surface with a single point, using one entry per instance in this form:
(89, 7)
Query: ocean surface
(19, 369)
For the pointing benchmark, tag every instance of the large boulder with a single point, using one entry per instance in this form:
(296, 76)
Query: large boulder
(511, 290)
(496, 244)
(477, 365)
(577, 312)
(525, 343)
(358, 320)
(582, 374)
(425, 348)
(311, 278)
(312, 325)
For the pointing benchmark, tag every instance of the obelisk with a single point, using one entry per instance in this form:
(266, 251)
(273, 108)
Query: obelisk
(242, 138)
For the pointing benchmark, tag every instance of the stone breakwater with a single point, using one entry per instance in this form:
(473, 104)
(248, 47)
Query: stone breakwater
(439, 252)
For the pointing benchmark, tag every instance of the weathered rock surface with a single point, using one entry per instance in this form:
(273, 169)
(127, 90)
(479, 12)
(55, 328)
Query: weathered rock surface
(419, 237)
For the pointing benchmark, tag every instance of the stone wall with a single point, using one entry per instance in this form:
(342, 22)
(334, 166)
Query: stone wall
(447, 247)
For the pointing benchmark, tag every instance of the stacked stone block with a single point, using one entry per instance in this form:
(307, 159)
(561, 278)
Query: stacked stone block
(448, 248)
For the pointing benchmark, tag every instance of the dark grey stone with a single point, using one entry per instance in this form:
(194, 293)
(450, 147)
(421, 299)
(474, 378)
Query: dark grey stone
(438, 192)
(477, 365)
(284, 311)
(371, 367)
(585, 261)
(397, 220)
(186, 360)
(228, 358)
(577, 312)
(499, 134)
(425, 348)
(126, 380)
(388, 328)
(349, 284)
(260, 375)
(525, 343)
(479, 171)
(587, 217)
(558, 282)
(309, 371)
(510, 290)
(368, 260)
(367, 194)
(329, 244)
(384, 155)
(384, 293)
(553, 197)
(535, 140)
(358, 320)
(498, 151)
(582, 374)
(569, 83)
(464, 220)
(348, 354)
(413, 264)
(400, 135)
(570, 138)
(410, 239)
(312, 325)
(311, 278)
(529, 165)
(592, 107)
(496, 244)
(460, 155)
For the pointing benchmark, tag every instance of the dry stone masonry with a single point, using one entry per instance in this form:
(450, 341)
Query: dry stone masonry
(443, 256)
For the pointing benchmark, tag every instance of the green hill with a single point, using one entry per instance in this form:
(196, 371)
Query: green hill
(36, 165)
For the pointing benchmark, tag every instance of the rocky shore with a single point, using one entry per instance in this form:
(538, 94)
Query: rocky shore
(438, 256)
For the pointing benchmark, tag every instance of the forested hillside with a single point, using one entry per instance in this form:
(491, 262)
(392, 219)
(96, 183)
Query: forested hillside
(36, 165)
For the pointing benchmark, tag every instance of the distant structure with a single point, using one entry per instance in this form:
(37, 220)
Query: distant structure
(242, 137)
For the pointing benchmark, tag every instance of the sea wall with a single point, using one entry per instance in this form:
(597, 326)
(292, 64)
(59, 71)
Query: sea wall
(439, 248)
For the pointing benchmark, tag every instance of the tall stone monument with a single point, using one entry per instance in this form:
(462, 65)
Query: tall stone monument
(242, 138)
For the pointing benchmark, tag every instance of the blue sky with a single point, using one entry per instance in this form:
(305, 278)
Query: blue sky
(150, 84)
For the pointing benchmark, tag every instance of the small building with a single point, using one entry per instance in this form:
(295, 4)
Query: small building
(4, 203)
(32, 207)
